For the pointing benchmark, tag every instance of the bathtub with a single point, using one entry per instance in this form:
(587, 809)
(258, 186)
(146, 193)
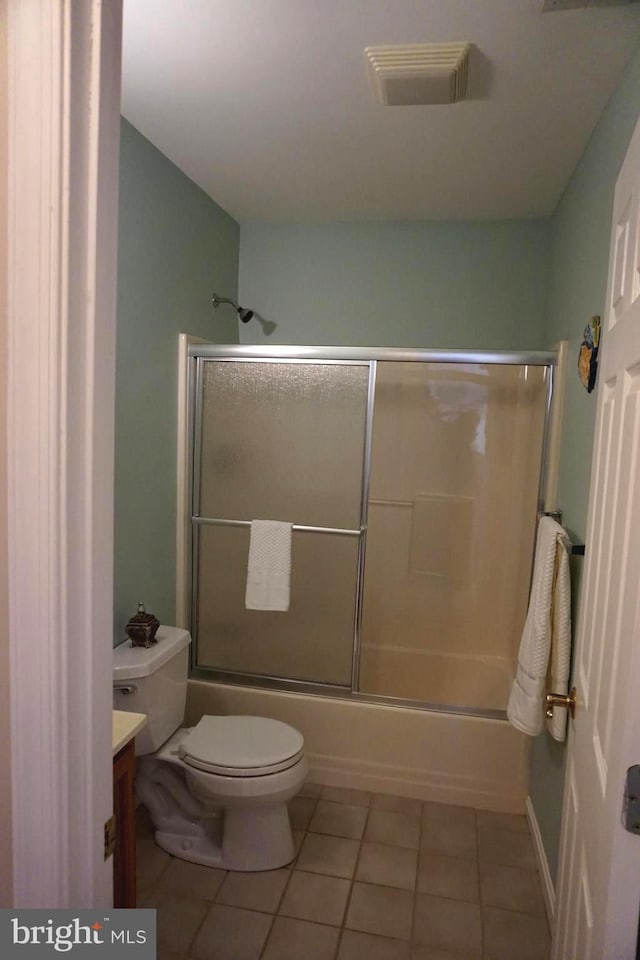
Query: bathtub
(449, 758)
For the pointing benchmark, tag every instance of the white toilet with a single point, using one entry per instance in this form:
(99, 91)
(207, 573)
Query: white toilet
(217, 793)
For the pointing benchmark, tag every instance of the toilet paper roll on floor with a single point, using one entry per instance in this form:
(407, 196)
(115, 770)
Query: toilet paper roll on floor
(269, 566)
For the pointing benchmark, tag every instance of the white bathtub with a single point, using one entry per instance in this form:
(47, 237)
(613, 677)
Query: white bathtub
(415, 753)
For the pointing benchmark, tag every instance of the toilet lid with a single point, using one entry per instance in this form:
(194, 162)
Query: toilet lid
(242, 746)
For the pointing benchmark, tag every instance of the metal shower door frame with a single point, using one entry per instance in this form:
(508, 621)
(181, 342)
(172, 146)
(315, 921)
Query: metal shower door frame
(199, 354)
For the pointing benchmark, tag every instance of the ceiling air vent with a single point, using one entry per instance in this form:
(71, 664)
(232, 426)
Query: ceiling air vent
(419, 73)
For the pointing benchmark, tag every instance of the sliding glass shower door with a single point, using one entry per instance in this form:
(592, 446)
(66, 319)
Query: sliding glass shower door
(279, 440)
(455, 472)
(413, 481)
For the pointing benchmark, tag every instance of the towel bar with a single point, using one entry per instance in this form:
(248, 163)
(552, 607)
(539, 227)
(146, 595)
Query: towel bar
(216, 522)
(577, 549)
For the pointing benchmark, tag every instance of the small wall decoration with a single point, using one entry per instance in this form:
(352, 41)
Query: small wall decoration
(588, 356)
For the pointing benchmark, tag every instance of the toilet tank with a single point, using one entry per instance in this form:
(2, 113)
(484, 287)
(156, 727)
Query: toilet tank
(153, 680)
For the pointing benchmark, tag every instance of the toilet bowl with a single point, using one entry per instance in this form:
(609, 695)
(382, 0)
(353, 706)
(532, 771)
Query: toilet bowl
(217, 792)
(212, 805)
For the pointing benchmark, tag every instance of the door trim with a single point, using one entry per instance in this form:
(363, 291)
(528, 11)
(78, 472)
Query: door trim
(64, 124)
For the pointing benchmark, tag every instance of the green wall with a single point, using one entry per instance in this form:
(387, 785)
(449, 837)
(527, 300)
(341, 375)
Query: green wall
(176, 246)
(481, 284)
(581, 228)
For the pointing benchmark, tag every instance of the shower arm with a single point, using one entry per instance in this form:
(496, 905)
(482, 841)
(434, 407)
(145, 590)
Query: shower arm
(244, 314)
(216, 301)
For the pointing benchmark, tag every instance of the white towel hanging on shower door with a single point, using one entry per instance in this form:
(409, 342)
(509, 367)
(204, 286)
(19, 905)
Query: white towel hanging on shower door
(546, 638)
(269, 566)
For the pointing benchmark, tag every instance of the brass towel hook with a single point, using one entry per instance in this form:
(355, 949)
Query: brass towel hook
(560, 700)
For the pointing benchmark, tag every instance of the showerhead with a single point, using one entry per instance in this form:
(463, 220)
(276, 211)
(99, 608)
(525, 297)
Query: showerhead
(244, 314)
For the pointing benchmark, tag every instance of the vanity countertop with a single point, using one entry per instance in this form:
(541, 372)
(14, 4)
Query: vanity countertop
(125, 726)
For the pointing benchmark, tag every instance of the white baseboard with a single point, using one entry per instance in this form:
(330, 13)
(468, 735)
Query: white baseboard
(548, 888)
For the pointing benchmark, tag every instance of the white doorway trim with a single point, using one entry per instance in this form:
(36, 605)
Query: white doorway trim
(64, 117)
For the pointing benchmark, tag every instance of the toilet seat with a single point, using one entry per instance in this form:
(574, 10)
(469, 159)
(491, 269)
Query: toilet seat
(241, 746)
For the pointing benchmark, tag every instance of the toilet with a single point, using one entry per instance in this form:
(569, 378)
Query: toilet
(217, 792)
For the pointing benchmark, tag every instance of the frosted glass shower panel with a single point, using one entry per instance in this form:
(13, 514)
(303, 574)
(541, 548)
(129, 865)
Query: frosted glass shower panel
(313, 641)
(455, 471)
(283, 441)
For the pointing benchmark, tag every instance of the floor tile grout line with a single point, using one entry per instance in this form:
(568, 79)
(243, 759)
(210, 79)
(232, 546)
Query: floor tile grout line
(292, 869)
(381, 843)
(353, 881)
(294, 866)
(414, 902)
(276, 912)
(325, 873)
(352, 802)
(478, 878)
(187, 952)
(455, 900)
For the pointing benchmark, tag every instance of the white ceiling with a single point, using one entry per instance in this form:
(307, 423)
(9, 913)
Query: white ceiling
(266, 104)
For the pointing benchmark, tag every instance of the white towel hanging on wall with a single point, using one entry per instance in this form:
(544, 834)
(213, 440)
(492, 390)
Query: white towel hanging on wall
(546, 638)
(269, 566)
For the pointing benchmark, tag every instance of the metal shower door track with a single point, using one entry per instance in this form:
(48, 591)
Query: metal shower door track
(284, 352)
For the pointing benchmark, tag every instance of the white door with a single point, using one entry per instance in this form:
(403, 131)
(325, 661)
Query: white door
(599, 877)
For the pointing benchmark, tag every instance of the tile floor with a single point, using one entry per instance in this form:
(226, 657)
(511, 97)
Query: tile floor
(376, 877)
